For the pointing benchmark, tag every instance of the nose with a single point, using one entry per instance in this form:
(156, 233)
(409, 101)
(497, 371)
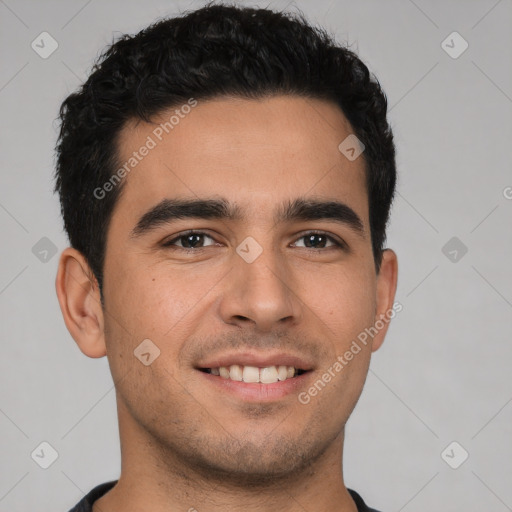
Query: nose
(262, 293)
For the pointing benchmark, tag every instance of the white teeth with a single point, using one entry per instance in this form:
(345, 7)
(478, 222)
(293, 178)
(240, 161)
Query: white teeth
(236, 372)
(267, 375)
(282, 372)
(251, 374)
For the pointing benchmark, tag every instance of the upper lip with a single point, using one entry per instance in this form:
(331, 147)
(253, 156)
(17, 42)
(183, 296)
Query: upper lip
(258, 360)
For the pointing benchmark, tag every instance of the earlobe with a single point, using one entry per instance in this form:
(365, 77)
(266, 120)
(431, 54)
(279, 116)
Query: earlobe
(386, 289)
(79, 300)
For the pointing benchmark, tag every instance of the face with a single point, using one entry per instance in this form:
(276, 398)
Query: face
(263, 281)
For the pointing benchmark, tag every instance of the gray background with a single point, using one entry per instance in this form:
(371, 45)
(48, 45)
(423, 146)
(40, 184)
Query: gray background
(443, 373)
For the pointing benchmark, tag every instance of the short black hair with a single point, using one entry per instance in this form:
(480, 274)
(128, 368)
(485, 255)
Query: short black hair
(217, 50)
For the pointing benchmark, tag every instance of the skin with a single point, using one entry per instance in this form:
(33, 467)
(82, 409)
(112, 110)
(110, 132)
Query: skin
(184, 444)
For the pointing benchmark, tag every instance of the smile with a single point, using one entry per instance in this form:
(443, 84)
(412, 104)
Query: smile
(254, 374)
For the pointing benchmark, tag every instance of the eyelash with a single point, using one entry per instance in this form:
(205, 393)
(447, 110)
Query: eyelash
(170, 243)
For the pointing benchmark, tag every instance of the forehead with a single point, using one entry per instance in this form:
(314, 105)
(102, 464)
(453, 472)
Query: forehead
(254, 152)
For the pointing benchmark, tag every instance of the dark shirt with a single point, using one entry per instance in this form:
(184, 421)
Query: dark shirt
(85, 505)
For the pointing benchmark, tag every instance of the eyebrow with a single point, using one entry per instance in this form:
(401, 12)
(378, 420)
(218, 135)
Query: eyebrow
(304, 209)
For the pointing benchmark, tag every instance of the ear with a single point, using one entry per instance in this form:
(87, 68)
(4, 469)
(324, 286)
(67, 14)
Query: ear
(79, 299)
(386, 289)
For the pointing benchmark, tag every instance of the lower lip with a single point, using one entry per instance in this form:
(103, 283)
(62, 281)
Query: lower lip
(256, 391)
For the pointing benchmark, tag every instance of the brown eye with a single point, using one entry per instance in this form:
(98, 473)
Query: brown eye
(319, 241)
(191, 240)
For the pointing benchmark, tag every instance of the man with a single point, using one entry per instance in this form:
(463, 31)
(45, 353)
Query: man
(225, 180)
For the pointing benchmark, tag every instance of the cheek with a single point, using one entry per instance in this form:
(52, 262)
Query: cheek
(145, 307)
(345, 302)
(157, 303)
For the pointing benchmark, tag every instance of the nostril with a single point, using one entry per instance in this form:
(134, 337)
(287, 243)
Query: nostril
(240, 317)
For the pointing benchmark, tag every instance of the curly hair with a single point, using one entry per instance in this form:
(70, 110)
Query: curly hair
(217, 50)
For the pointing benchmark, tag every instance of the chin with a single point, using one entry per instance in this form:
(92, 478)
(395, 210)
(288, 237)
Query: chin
(255, 463)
